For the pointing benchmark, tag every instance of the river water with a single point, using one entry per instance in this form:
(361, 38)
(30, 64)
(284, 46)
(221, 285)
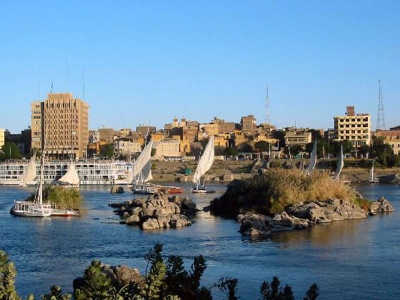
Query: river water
(358, 259)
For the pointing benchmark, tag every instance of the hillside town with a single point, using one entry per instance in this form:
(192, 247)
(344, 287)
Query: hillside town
(60, 126)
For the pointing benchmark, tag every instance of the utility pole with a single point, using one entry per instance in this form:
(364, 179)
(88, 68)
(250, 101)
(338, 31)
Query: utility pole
(380, 124)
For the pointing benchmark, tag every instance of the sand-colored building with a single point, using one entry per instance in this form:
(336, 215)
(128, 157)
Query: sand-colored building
(60, 124)
(391, 137)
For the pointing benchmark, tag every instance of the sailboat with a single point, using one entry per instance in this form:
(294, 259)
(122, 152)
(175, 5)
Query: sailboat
(372, 178)
(29, 175)
(71, 178)
(142, 172)
(313, 159)
(205, 162)
(340, 164)
(35, 208)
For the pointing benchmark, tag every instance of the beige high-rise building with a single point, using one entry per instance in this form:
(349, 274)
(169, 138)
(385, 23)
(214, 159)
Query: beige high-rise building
(353, 127)
(61, 124)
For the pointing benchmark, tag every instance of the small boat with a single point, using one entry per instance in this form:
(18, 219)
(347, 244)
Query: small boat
(144, 188)
(170, 189)
(174, 190)
(205, 162)
(35, 208)
(61, 212)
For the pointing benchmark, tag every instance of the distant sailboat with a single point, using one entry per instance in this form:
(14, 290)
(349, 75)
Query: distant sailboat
(313, 159)
(372, 177)
(142, 172)
(340, 164)
(71, 178)
(205, 162)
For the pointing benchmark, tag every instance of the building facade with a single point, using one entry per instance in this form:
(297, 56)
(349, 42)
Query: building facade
(60, 125)
(391, 137)
(355, 128)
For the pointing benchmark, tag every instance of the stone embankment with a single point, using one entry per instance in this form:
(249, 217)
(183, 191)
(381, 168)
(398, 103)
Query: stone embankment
(303, 215)
(156, 211)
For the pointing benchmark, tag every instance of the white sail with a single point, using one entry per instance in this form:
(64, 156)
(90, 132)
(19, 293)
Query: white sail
(29, 174)
(340, 163)
(313, 159)
(142, 166)
(71, 177)
(205, 161)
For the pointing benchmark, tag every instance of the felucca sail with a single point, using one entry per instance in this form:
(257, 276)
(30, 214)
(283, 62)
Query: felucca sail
(313, 159)
(205, 162)
(142, 166)
(340, 163)
(71, 177)
(29, 174)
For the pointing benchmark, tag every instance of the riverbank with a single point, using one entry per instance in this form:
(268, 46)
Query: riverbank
(226, 171)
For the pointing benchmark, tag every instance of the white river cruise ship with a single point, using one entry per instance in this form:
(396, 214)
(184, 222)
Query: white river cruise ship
(90, 172)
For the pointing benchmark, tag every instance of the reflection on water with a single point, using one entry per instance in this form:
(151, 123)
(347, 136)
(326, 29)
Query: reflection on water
(346, 259)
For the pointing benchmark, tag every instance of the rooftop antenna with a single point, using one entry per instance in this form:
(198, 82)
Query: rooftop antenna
(380, 124)
(267, 118)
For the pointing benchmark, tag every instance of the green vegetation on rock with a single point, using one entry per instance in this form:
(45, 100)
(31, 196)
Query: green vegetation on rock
(63, 197)
(271, 192)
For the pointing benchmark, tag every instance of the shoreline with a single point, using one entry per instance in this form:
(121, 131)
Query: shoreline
(226, 171)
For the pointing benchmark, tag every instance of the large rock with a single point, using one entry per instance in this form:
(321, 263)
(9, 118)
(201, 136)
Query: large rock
(157, 211)
(382, 205)
(254, 224)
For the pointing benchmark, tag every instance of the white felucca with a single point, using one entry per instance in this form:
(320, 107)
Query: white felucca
(29, 175)
(71, 178)
(313, 159)
(142, 172)
(372, 177)
(205, 162)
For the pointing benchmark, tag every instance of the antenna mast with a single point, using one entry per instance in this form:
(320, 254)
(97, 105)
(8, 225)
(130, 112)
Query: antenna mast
(380, 124)
(267, 118)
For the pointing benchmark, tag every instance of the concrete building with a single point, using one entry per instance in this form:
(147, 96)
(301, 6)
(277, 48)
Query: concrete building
(298, 137)
(124, 146)
(60, 124)
(355, 128)
(167, 149)
(391, 137)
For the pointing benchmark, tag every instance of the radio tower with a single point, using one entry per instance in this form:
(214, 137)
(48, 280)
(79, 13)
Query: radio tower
(267, 119)
(380, 124)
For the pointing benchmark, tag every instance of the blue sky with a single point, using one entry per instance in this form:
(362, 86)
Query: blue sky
(146, 62)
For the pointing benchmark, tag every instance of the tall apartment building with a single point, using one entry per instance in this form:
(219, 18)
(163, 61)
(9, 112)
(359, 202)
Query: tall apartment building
(353, 127)
(61, 125)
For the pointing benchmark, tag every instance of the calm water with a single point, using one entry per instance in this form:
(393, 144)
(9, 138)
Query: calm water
(348, 260)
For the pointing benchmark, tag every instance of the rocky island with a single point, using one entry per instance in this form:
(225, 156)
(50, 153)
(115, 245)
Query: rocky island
(288, 199)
